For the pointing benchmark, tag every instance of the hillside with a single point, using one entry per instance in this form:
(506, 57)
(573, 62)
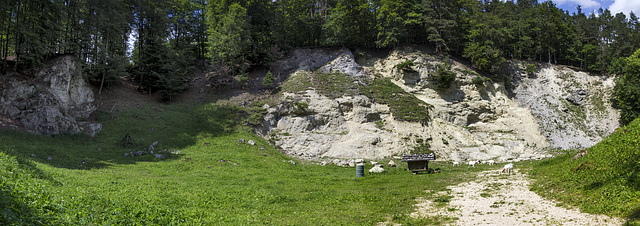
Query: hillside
(342, 109)
(606, 179)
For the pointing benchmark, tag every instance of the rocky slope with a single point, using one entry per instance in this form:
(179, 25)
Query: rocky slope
(55, 100)
(474, 118)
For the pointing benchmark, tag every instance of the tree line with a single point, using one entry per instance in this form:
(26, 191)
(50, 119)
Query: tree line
(170, 35)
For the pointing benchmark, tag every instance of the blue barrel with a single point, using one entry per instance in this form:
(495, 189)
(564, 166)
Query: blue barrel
(360, 170)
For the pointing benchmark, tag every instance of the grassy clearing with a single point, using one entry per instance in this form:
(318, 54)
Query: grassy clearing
(210, 179)
(606, 180)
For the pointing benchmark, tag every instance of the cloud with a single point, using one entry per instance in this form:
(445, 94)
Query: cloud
(583, 3)
(625, 6)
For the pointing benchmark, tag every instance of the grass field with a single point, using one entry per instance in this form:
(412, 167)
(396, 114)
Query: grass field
(210, 178)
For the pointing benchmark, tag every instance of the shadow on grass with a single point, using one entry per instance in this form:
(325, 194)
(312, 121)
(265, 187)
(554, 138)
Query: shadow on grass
(15, 212)
(173, 126)
(21, 199)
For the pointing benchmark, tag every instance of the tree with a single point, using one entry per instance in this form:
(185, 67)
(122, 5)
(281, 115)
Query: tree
(268, 80)
(350, 23)
(486, 35)
(627, 90)
(230, 38)
(391, 22)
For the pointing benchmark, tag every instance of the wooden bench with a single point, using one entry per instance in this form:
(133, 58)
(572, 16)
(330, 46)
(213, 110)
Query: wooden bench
(418, 162)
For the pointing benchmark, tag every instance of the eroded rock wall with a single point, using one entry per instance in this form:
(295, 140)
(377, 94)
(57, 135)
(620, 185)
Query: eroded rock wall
(55, 100)
(573, 108)
(475, 118)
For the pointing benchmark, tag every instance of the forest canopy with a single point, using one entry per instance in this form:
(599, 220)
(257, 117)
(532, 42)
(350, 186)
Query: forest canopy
(158, 41)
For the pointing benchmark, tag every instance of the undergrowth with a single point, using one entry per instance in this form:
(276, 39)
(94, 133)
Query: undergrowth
(606, 180)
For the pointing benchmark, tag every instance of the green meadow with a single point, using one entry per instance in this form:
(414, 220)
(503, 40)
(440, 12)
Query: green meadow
(206, 177)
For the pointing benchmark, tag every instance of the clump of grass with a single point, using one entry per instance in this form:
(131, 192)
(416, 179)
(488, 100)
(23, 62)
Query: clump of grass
(605, 181)
(403, 106)
(422, 148)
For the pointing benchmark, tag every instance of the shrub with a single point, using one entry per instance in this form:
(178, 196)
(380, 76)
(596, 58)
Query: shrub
(406, 66)
(530, 69)
(243, 77)
(480, 80)
(268, 80)
(445, 77)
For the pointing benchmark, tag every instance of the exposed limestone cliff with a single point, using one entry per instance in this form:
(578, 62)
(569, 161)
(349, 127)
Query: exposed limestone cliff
(473, 118)
(55, 100)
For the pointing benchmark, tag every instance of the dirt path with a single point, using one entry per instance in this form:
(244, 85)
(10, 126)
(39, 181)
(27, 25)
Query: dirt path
(504, 200)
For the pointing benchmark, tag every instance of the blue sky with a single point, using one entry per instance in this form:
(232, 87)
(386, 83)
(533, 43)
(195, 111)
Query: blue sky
(589, 6)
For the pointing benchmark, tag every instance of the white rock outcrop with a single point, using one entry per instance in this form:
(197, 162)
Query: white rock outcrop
(56, 100)
(470, 120)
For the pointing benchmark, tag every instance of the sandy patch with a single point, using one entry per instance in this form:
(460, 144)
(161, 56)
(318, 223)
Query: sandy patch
(505, 200)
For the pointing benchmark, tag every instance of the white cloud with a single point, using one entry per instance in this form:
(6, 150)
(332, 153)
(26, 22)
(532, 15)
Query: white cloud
(583, 3)
(625, 6)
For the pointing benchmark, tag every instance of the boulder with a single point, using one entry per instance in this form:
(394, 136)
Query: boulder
(345, 63)
(376, 169)
(58, 100)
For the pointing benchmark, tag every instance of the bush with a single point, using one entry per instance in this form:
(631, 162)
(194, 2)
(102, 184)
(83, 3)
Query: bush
(406, 66)
(268, 80)
(480, 80)
(444, 76)
(530, 69)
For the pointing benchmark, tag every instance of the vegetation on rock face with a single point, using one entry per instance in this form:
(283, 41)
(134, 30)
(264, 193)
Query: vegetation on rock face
(480, 80)
(332, 84)
(403, 106)
(606, 179)
(406, 65)
(444, 76)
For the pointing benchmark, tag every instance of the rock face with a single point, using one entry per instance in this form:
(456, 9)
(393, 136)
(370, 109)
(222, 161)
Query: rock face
(345, 63)
(572, 108)
(338, 128)
(474, 119)
(56, 100)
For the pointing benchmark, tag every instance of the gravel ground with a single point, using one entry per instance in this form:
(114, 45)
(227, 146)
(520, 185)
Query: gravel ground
(494, 199)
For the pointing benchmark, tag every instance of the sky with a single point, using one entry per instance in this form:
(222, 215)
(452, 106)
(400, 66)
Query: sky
(589, 6)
